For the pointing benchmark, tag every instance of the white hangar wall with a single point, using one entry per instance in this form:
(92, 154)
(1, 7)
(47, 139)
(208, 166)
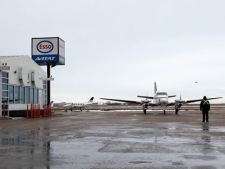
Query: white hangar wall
(26, 76)
(24, 71)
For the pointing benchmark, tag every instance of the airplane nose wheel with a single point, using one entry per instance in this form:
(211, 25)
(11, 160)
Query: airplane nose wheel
(164, 112)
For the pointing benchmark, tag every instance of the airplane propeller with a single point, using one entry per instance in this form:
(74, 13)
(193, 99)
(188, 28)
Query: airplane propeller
(145, 104)
(180, 100)
(178, 104)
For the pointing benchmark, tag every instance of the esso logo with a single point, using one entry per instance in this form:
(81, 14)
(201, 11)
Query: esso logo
(45, 46)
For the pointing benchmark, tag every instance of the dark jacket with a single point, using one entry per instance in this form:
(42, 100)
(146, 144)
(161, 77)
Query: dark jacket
(205, 105)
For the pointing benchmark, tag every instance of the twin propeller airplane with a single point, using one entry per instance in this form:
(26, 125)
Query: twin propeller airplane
(160, 99)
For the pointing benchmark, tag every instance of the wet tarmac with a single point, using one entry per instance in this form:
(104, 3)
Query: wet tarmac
(114, 140)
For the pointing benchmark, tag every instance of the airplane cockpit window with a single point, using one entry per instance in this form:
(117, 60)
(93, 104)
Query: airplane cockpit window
(161, 93)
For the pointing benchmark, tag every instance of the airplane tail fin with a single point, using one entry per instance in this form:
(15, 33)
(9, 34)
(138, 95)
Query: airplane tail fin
(155, 87)
(91, 100)
(52, 103)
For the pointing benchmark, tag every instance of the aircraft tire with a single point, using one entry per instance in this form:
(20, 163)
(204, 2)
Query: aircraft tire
(144, 111)
(176, 111)
(164, 112)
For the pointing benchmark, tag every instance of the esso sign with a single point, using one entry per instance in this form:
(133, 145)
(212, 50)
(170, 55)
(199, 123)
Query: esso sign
(45, 46)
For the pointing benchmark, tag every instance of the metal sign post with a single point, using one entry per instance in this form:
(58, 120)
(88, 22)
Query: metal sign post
(48, 84)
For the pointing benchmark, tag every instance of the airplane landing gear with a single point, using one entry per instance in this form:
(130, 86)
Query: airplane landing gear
(144, 111)
(176, 111)
(164, 112)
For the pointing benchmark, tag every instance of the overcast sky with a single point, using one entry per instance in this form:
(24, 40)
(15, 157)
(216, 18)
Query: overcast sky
(119, 48)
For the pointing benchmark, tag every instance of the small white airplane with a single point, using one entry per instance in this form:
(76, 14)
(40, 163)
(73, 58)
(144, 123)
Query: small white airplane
(52, 104)
(72, 106)
(161, 99)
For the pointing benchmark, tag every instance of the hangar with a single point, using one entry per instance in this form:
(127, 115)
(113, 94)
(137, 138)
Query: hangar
(23, 83)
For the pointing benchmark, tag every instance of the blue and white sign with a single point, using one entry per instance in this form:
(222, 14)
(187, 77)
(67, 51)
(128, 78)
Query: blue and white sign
(48, 50)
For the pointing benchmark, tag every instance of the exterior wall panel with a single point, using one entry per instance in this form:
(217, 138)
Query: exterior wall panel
(26, 74)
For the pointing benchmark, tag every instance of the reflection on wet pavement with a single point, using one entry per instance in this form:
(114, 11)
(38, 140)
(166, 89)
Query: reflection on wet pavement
(101, 140)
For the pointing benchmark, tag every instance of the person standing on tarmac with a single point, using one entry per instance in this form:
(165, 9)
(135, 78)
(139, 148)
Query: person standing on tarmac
(205, 108)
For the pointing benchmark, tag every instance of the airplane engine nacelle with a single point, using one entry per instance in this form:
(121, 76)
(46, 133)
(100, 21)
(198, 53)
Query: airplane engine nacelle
(178, 105)
(179, 101)
(145, 101)
(145, 106)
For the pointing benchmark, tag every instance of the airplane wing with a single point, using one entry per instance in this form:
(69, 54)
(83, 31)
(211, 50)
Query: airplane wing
(172, 96)
(142, 102)
(192, 101)
(126, 101)
(197, 100)
(147, 97)
(189, 101)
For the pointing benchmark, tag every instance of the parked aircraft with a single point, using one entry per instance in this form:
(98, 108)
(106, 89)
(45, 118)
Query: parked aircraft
(72, 106)
(160, 99)
(52, 104)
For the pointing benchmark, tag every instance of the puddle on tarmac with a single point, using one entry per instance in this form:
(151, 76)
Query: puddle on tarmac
(201, 157)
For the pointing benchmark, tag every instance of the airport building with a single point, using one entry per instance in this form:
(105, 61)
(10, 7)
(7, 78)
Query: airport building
(23, 83)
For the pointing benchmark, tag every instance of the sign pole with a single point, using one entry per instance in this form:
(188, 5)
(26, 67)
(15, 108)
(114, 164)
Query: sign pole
(48, 84)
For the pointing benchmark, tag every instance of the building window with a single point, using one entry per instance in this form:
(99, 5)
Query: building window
(11, 94)
(22, 95)
(31, 95)
(4, 94)
(16, 94)
(35, 96)
(27, 96)
(44, 92)
(5, 80)
(4, 87)
(5, 75)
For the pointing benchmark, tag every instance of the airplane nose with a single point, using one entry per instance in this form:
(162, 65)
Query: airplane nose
(164, 100)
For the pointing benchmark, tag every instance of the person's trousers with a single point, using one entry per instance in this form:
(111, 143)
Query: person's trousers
(205, 115)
